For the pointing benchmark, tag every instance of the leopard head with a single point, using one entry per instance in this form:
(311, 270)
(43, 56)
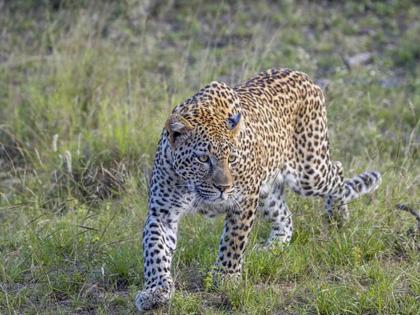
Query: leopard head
(203, 137)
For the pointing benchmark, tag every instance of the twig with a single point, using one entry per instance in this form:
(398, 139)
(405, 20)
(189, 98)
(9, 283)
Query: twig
(412, 211)
(88, 228)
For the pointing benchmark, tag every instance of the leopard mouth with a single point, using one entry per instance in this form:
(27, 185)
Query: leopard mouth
(207, 195)
(211, 195)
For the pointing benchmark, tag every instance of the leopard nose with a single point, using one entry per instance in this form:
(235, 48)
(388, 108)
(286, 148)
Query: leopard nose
(223, 187)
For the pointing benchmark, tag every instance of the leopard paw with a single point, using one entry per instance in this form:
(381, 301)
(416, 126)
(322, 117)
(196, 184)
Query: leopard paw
(153, 298)
(221, 278)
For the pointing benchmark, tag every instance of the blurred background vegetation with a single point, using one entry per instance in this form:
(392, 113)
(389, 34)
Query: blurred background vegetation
(85, 87)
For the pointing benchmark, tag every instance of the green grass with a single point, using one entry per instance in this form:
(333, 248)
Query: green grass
(85, 88)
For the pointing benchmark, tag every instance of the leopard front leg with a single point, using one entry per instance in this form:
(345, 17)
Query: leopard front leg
(237, 226)
(159, 243)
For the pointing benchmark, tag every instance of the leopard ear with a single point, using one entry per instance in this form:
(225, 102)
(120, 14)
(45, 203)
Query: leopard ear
(233, 123)
(177, 127)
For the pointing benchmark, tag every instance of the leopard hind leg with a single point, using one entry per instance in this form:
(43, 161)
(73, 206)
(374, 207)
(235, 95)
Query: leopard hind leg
(311, 172)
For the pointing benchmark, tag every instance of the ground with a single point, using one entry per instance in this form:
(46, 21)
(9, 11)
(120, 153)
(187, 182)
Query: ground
(85, 88)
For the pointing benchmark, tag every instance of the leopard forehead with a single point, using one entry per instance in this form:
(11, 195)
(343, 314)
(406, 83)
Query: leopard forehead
(211, 137)
(211, 111)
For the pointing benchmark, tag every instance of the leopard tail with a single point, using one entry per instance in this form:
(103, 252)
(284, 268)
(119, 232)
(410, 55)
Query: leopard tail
(359, 185)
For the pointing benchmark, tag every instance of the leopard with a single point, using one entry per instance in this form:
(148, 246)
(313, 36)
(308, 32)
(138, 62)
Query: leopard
(233, 151)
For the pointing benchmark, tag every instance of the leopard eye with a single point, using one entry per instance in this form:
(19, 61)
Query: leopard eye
(203, 158)
(232, 158)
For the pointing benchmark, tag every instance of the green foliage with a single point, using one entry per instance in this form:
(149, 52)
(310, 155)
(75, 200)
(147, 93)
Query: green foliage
(85, 88)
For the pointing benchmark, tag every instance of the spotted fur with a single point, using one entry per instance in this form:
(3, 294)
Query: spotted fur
(232, 150)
